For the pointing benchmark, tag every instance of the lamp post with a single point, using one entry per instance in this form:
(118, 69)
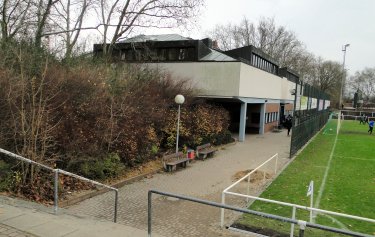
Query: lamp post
(179, 99)
(344, 74)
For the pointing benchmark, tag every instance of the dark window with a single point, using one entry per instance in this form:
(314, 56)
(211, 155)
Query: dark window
(153, 54)
(173, 54)
(255, 118)
(137, 55)
(129, 55)
(162, 54)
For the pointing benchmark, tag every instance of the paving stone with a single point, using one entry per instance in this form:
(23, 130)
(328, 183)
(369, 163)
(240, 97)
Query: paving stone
(202, 179)
(7, 231)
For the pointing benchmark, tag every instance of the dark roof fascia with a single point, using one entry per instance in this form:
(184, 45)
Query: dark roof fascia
(148, 62)
(249, 63)
(200, 48)
(285, 70)
(264, 55)
(291, 71)
(151, 44)
(247, 51)
(294, 76)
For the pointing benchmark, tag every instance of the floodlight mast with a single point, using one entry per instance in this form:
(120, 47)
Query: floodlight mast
(343, 76)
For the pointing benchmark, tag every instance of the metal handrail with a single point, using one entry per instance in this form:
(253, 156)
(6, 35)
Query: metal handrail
(56, 180)
(301, 223)
(302, 207)
(248, 183)
(294, 206)
(253, 171)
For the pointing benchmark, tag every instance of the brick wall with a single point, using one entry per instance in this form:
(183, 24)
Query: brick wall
(273, 109)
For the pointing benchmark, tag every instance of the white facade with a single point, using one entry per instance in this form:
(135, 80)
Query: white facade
(230, 79)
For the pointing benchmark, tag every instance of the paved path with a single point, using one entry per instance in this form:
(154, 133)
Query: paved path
(6, 231)
(25, 219)
(202, 179)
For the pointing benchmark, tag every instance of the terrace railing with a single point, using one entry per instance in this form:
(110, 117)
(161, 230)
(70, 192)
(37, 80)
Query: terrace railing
(302, 224)
(293, 206)
(56, 180)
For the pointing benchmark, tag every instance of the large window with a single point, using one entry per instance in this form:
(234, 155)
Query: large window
(263, 64)
(271, 117)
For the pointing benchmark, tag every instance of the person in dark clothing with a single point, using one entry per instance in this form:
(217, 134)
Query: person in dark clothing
(370, 126)
(362, 119)
(288, 123)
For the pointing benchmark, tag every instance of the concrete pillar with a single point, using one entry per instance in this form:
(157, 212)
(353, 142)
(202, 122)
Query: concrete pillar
(262, 118)
(242, 133)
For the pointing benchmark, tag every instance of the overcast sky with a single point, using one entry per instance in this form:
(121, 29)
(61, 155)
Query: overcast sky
(323, 25)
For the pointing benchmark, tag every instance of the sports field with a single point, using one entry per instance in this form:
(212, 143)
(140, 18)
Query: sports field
(343, 170)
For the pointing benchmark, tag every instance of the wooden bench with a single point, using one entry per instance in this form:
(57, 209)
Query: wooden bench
(171, 161)
(204, 150)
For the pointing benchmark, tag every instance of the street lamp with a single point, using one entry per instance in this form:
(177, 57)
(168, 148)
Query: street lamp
(179, 99)
(343, 76)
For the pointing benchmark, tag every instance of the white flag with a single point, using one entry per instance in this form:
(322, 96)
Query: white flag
(310, 189)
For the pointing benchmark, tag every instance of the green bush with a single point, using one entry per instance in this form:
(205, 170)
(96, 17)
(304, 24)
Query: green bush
(98, 169)
(222, 138)
(6, 176)
(200, 123)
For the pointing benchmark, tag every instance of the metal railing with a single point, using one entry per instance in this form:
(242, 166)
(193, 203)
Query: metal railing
(248, 175)
(302, 224)
(56, 180)
(294, 206)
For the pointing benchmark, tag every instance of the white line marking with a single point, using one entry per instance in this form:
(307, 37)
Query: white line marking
(353, 158)
(334, 220)
(322, 186)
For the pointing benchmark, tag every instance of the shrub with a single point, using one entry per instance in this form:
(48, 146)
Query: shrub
(200, 123)
(99, 169)
(109, 117)
(6, 176)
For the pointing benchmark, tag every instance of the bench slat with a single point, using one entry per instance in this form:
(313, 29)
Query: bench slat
(173, 160)
(204, 150)
(201, 147)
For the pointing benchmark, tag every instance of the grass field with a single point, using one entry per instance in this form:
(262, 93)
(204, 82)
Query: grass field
(343, 170)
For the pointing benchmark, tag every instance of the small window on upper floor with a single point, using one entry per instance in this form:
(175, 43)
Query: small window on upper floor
(172, 54)
(162, 54)
(153, 54)
(129, 55)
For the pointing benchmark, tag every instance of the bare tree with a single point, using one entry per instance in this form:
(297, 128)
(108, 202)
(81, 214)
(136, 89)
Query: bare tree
(329, 76)
(30, 116)
(283, 46)
(364, 81)
(276, 41)
(224, 36)
(43, 12)
(14, 17)
(68, 18)
(131, 14)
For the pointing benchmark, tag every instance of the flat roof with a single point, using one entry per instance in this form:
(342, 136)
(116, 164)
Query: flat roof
(164, 37)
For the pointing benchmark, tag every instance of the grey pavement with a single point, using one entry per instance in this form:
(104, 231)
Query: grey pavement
(202, 179)
(23, 219)
(171, 217)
